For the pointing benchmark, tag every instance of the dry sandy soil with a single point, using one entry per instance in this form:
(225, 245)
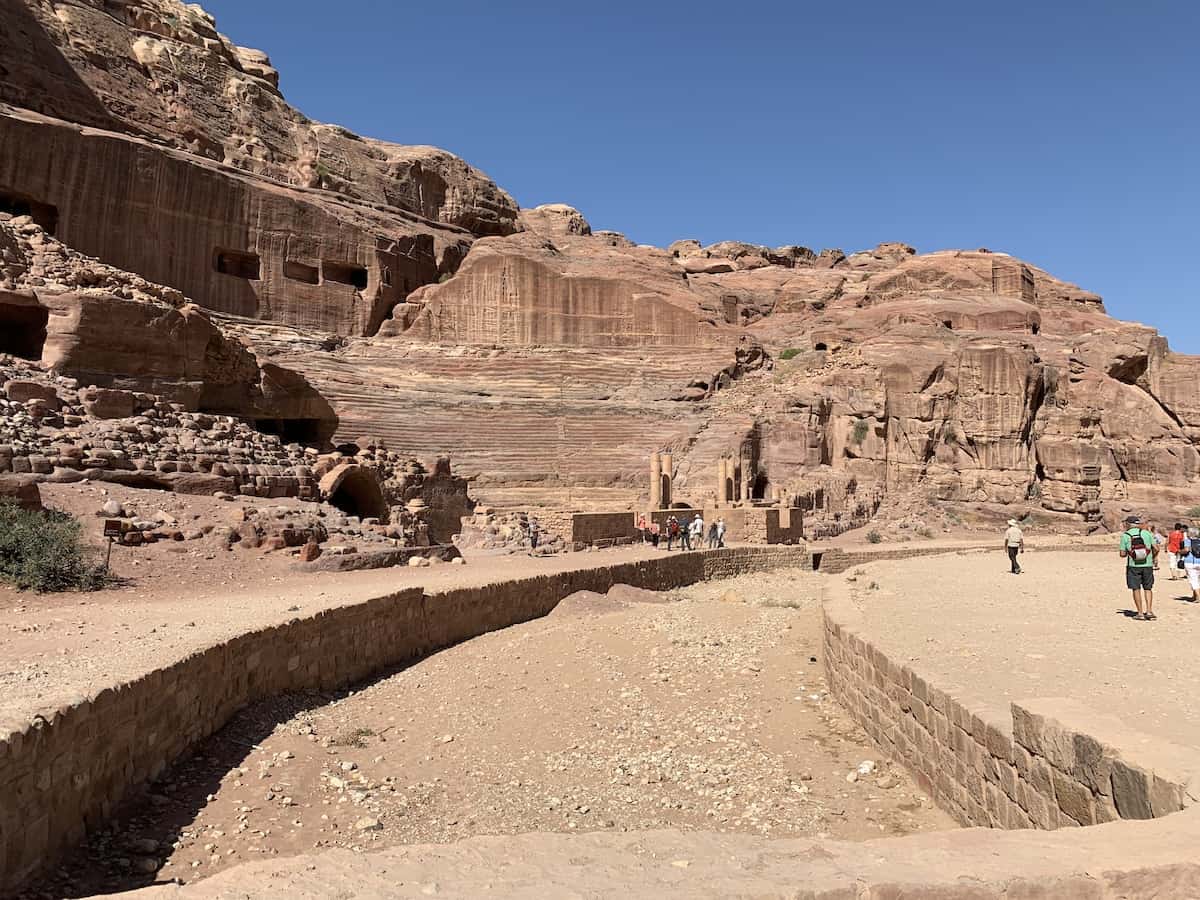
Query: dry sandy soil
(178, 597)
(701, 709)
(1062, 629)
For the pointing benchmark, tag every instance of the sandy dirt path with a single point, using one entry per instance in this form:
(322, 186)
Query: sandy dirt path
(1062, 629)
(699, 709)
(53, 648)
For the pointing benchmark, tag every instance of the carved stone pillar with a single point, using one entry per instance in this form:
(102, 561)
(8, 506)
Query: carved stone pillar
(668, 480)
(656, 480)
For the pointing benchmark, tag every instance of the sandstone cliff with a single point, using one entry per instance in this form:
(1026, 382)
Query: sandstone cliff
(398, 291)
(138, 134)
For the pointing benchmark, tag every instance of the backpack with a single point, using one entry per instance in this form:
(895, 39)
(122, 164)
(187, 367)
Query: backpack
(1138, 551)
(673, 527)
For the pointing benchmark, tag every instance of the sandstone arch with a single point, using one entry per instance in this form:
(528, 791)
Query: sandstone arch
(355, 491)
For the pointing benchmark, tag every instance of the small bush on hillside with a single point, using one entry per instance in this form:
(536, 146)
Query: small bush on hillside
(444, 277)
(46, 552)
(790, 353)
(859, 434)
(874, 537)
(1194, 512)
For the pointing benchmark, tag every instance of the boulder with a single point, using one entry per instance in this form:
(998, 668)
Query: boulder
(21, 490)
(22, 391)
(105, 403)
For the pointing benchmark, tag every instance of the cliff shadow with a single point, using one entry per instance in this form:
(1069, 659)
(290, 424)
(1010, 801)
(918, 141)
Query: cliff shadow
(35, 75)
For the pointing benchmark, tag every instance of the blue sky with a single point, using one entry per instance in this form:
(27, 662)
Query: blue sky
(1063, 132)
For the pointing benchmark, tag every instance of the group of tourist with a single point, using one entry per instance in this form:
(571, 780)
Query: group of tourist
(1142, 545)
(688, 534)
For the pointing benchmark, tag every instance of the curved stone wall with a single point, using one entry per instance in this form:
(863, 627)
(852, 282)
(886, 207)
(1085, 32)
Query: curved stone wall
(64, 770)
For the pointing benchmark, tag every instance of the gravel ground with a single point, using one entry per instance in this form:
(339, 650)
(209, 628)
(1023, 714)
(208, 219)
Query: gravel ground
(703, 708)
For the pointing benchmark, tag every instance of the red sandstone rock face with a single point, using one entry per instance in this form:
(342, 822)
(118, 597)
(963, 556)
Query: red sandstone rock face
(191, 170)
(121, 333)
(159, 69)
(965, 376)
(549, 359)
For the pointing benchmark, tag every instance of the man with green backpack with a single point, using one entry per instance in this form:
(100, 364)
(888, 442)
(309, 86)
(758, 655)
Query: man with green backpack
(1139, 552)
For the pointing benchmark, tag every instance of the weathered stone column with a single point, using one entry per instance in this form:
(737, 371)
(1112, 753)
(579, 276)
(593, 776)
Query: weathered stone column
(656, 480)
(668, 480)
(747, 478)
(722, 481)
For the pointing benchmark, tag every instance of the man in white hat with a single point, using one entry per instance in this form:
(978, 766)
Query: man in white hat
(1014, 543)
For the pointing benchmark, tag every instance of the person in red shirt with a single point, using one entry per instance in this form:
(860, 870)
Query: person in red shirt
(1174, 546)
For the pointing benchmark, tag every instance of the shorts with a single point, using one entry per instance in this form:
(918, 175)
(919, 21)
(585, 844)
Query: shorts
(1139, 578)
(1193, 576)
(1172, 560)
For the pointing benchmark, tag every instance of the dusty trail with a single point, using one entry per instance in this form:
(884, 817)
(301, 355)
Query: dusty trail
(702, 709)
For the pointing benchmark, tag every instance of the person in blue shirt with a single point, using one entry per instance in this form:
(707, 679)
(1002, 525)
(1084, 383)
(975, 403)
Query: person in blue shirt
(1190, 553)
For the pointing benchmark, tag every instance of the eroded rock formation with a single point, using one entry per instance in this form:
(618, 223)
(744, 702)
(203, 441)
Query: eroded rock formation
(310, 280)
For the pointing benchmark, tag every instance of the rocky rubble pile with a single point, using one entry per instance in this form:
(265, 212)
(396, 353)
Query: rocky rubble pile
(506, 532)
(53, 430)
(51, 427)
(30, 258)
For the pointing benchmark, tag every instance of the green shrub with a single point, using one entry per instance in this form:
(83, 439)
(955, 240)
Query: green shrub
(1194, 512)
(46, 552)
(444, 277)
(790, 353)
(859, 434)
(874, 537)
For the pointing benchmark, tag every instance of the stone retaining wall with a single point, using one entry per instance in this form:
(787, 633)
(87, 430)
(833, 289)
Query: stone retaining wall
(1041, 764)
(588, 528)
(67, 769)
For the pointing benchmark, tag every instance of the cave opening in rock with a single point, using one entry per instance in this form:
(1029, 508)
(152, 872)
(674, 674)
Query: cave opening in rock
(761, 486)
(23, 330)
(1035, 328)
(44, 214)
(238, 264)
(949, 324)
(820, 345)
(306, 432)
(359, 494)
(298, 271)
(345, 273)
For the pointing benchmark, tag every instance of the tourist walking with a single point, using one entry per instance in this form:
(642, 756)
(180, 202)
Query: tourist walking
(641, 529)
(1160, 543)
(685, 534)
(1175, 542)
(1014, 543)
(720, 532)
(655, 534)
(535, 532)
(696, 529)
(1189, 553)
(673, 532)
(1139, 552)
(712, 536)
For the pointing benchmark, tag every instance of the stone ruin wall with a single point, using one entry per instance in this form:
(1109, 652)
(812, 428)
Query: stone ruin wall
(67, 770)
(1053, 764)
